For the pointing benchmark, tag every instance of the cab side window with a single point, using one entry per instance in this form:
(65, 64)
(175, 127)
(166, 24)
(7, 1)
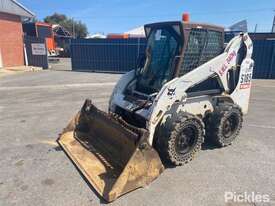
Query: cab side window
(214, 46)
(193, 51)
(202, 46)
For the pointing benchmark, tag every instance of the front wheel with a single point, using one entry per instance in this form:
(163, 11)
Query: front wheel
(224, 124)
(180, 138)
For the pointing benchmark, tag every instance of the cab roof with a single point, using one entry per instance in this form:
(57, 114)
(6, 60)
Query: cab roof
(188, 25)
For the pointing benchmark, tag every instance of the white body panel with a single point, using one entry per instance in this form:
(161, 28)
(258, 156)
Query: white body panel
(177, 100)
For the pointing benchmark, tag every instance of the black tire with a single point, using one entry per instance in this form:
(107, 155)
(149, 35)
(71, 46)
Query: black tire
(180, 138)
(224, 124)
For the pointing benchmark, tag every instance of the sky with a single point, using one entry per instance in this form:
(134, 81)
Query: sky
(118, 16)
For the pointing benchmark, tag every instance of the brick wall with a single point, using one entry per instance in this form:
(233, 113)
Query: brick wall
(11, 40)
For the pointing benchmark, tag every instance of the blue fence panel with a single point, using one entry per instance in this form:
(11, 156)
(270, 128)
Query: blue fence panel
(106, 55)
(34, 59)
(263, 55)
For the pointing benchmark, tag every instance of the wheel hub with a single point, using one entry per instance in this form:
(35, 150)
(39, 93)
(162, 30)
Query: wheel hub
(230, 125)
(186, 139)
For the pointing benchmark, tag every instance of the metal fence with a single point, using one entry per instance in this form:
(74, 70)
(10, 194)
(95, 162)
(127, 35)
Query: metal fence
(36, 52)
(264, 57)
(106, 55)
(120, 55)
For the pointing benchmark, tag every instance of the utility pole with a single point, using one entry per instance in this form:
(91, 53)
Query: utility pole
(255, 29)
(273, 26)
(73, 28)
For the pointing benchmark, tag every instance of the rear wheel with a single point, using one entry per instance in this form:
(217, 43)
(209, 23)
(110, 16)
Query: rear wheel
(224, 124)
(180, 138)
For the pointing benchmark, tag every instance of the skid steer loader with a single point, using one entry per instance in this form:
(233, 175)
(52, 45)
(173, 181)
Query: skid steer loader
(188, 87)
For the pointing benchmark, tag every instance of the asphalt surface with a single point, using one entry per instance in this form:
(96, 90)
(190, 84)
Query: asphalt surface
(34, 107)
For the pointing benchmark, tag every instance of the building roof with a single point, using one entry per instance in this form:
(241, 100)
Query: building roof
(136, 31)
(96, 36)
(14, 7)
(239, 26)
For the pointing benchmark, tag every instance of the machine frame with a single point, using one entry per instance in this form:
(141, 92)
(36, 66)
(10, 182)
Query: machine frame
(173, 98)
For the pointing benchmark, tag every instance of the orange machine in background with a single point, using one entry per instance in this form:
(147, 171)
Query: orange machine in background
(118, 36)
(44, 31)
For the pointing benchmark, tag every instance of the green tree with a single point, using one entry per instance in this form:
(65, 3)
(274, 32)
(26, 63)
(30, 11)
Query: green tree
(76, 28)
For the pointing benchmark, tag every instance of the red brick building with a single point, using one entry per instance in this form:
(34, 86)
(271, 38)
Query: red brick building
(12, 14)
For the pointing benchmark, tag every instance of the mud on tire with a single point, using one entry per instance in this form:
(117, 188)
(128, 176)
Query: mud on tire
(224, 124)
(180, 138)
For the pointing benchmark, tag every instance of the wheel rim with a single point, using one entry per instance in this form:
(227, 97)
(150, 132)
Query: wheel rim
(186, 140)
(230, 125)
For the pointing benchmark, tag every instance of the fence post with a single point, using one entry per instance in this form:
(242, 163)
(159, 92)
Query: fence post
(1, 62)
(272, 61)
(25, 55)
(138, 47)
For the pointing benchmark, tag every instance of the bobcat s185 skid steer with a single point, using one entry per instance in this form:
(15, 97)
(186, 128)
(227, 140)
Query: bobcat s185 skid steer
(188, 87)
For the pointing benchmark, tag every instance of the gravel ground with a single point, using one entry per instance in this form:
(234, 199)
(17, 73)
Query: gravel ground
(34, 107)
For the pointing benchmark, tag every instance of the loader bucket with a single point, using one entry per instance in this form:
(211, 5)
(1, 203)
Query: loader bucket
(114, 156)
